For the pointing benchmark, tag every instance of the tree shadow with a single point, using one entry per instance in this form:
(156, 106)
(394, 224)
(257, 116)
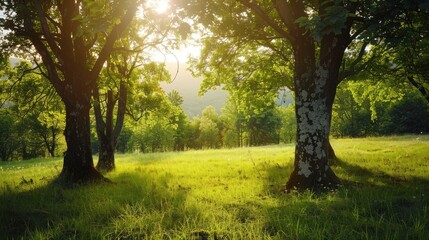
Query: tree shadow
(134, 206)
(369, 204)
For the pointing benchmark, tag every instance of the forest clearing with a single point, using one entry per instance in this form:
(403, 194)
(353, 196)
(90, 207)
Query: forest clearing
(320, 129)
(226, 194)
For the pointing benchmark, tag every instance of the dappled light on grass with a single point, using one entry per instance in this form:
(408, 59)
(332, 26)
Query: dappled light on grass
(228, 194)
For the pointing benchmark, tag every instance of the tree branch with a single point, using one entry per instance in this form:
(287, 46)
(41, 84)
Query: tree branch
(114, 35)
(121, 110)
(47, 32)
(424, 91)
(262, 14)
(49, 63)
(285, 12)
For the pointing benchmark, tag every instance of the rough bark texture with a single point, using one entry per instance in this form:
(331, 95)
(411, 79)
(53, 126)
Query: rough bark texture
(78, 164)
(311, 167)
(316, 80)
(106, 157)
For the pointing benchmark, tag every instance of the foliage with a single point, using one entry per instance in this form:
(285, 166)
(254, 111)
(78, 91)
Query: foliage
(398, 109)
(162, 127)
(287, 131)
(8, 134)
(210, 129)
(408, 38)
(37, 109)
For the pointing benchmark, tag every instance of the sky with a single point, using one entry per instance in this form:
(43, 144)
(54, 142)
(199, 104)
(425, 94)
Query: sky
(182, 55)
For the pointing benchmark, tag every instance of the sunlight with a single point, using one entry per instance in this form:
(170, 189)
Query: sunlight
(160, 6)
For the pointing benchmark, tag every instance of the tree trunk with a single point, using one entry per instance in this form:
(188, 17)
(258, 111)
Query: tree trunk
(331, 153)
(311, 168)
(78, 164)
(106, 155)
(53, 142)
(107, 134)
(49, 139)
(313, 92)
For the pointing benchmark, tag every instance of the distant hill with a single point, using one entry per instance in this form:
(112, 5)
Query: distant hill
(188, 87)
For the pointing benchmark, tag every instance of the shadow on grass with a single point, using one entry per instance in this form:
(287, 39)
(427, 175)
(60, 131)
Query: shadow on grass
(137, 206)
(371, 204)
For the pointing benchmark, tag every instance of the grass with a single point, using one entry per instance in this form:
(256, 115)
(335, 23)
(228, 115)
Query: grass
(226, 194)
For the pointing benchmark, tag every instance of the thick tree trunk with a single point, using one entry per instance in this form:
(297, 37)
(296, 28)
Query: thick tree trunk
(78, 163)
(331, 153)
(313, 89)
(311, 168)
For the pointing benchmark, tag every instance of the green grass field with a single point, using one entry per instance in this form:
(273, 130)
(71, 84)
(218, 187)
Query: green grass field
(226, 194)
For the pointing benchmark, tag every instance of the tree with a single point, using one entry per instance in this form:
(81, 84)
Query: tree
(381, 108)
(350, 117)
(73, 39)
(233, 120)
(253, 78)
(108, 132)
(148, 31)
(182, 133)
(8, 138)
(38, 109)
(175, 98)
(318, 32)
(156, 131)
(288, 124)
(409, 115)
(210, 129)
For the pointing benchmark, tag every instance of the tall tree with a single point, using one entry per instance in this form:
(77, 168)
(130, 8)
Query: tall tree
(318, 32)
(107, 131)
(73, 39)
(149, 31)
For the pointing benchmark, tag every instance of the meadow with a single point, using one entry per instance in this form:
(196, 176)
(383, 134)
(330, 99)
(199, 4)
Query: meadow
(226, 194)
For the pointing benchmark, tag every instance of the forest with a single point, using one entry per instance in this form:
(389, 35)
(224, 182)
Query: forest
(327, 111)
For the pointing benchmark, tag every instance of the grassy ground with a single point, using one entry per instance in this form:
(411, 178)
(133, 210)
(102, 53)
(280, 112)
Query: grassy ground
(226, 194)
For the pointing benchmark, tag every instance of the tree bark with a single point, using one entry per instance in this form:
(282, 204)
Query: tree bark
(78, 164)
(311, 167)
(106, 157)
(315, 84)
(106, 132)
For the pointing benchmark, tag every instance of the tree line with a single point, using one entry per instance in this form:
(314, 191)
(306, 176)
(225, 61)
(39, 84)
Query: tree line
(32, 115)
(91, 53)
